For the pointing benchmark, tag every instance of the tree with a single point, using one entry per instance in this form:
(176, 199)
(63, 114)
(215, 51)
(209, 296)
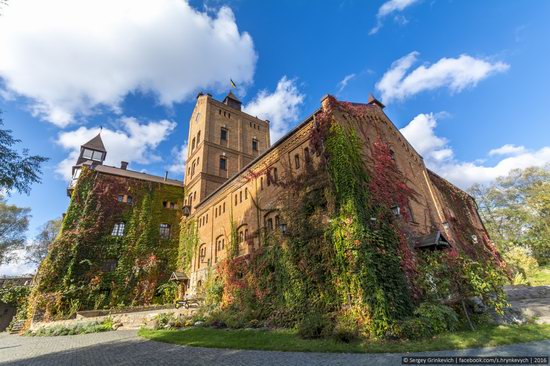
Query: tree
(14, 222)
(37, 250)
(17, 171)
(516, 210)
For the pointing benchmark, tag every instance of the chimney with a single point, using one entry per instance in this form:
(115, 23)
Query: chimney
(123, 165)
(166, 176)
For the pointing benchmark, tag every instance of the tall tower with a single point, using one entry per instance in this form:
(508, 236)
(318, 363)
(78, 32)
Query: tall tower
(91, 153)
(222, 140)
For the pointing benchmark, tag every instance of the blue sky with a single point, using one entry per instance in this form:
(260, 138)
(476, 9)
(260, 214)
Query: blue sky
(467, 81)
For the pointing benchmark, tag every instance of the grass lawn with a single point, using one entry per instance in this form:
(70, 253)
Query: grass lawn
(287, 340)
(541, 276)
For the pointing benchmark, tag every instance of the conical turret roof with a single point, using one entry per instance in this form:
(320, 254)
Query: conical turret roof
(95, 144)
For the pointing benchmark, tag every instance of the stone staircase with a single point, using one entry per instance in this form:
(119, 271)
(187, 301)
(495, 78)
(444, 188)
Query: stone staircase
(17, 326)
(531, 301)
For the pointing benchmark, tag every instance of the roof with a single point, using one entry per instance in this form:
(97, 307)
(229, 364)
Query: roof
(133, 174)
(95, 144)
(230, 95)
(432, 240)
(373, 100)
(178, 276)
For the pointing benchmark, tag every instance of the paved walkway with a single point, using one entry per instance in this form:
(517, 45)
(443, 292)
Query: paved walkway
(124, 347)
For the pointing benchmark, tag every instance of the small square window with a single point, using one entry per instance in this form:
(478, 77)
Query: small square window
(129, 199)
(172, 205)
(120, 198)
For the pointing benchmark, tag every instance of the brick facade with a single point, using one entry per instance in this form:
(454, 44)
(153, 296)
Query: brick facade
(246, 195)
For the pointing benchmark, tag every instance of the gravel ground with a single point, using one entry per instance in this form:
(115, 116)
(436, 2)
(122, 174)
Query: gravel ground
(124, 347)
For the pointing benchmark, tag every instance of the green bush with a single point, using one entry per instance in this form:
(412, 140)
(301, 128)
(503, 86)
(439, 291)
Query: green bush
(72, 329)
(522, 264)
(345, 330)
(163, 320)
(314, 325)
(411, 328)
(439, 318)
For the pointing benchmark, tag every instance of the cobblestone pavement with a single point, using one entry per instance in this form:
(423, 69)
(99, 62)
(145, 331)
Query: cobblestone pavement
(124, 347)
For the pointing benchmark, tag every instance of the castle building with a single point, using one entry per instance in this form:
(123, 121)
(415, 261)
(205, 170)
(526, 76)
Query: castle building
(233, 171)
(121, 241)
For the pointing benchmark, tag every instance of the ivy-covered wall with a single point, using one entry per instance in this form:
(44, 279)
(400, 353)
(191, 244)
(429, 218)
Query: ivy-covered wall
(88, 268)
(346, 259)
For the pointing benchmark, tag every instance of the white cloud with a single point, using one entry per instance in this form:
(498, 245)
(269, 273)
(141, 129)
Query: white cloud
(279, 107)
(71, 58)
(344, 82)
(507, 149)
(388, 8)
(439, 156)
(133, 142)
(453, 73)
(179, 155)
(420, 133)
(18, 266)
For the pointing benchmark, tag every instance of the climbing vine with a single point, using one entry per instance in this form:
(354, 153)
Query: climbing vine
(346, 259)
(88, 268)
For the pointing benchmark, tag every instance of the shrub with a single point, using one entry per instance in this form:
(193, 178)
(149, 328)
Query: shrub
(412, 328)
(314, 325)
(72, 329)
(346, 329)
(163, 320)
(522, 263)
(439, 318)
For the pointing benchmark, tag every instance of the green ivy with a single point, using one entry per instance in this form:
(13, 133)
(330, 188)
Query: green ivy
(75, 274)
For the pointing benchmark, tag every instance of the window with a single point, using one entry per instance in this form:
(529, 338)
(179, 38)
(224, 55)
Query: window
(254, 145)
(216, 212)
(87, 154)
(198, 138)
(223, 134)
(118, 229)
(120, 198)
(396, 210)
(246, 193)
(129, 199)
(172, 205)
(297, 161)
(193, 144)
(223, 163)
(261, 183)
(269, 224)
(306, 155)
(241, 196)
(235, 199)
(164, 231)
(97, 156)
(224, 207)
(392, 153)
(165, 203)
(275, 176)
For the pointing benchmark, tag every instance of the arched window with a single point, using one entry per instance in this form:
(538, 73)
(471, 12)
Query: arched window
(246, 193)
(198, 137)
